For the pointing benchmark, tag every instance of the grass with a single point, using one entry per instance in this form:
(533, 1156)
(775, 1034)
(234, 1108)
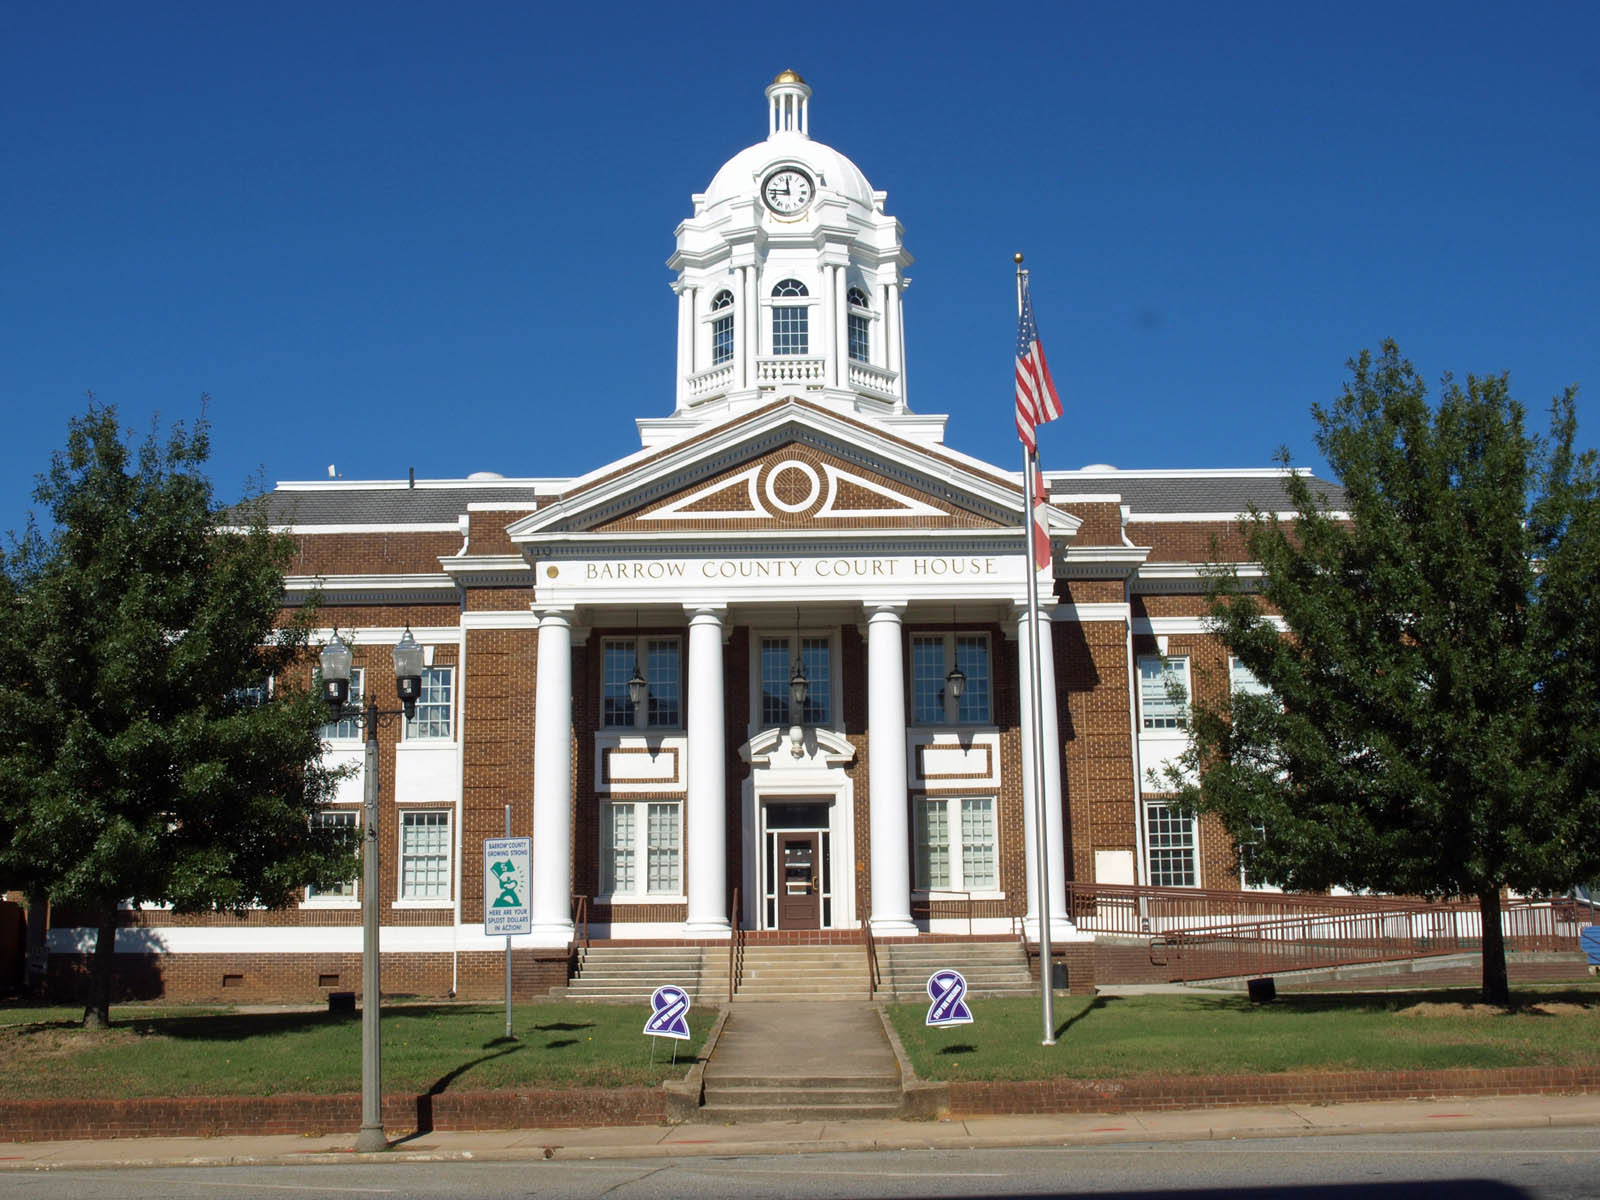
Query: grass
(426, 1048)
(1110, 1037)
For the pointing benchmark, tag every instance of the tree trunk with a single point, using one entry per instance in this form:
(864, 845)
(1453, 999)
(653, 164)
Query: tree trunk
(1496, 986)
(97, 1010)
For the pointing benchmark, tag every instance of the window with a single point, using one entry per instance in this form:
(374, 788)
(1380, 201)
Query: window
(252, 695)
(722, 328)
(1242, 679)
(659, 661)
(1163, 693)
(425, 855)
(1170, 837)
(643, 831)
(336, 818)
(932, 657)
(777, 665)
(790, 322)
(860, 323)
(434, 705)
(348, 728)
(955, 839)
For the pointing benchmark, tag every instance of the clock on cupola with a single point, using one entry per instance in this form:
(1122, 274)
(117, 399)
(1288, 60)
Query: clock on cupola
(789, 276)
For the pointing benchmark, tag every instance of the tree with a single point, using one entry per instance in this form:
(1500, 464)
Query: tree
(1431, 723)
(143, 755)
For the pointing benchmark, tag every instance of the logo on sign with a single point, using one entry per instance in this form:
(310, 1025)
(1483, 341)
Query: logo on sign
(506, 875)
(670, 1013)
(947, 990)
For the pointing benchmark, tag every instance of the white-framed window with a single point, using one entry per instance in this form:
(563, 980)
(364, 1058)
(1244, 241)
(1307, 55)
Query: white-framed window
(337, 818)
(641, 848)
(956, 843)
(722, 327)
(860, 325)
(790, 322)
(252, 695)
(660, 660)
(1163, 707)
(1170, 839)
(932, 657)
(777, 667)
(425, 854)
(435, 704)
(348, 729)
(1242, 679)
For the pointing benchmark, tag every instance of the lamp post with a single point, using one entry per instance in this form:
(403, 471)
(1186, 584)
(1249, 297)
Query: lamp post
(335, 663)
(799, 689)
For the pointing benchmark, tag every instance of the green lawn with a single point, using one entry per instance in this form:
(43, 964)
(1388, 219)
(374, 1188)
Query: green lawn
(1110, 1037)
(426, 1047)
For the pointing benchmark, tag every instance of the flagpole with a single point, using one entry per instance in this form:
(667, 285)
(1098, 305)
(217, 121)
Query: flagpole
(1030, 465)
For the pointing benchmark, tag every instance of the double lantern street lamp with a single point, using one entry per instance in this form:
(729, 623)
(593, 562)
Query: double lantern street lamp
(335, 663)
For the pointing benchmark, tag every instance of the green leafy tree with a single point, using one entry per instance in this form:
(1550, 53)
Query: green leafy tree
(1432, 723)
(142, 756)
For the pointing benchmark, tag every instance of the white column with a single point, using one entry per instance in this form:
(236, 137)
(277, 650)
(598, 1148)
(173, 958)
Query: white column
(1030, 824)
(552, 782)
(686, 333)
(828, 336)
(886, 744)
(841, 329)
(706, 821)
(750, 333)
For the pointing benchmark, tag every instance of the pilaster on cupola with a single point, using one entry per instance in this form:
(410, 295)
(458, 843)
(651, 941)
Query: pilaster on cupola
(789, 282)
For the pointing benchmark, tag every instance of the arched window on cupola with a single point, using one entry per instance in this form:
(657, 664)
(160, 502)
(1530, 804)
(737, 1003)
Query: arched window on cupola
(722, 327)
(790, 321)
(860, 325)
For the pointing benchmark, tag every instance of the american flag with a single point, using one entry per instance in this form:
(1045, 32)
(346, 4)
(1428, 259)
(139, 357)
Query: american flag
(1041, 531)
(1037, 401)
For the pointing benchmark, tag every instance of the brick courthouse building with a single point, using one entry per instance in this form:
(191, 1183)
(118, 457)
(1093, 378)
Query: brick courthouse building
(792, 512)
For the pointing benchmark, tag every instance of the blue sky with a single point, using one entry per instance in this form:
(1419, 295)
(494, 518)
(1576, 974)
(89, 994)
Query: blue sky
(424, 235)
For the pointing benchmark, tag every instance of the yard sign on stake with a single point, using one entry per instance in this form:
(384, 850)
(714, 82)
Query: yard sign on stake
(507, 905)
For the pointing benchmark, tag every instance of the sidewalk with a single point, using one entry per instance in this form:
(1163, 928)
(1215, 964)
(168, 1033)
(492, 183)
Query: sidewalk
(812, 1137)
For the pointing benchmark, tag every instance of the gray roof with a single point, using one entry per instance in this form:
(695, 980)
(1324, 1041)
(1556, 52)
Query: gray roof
(358, 505)
(1151, 492)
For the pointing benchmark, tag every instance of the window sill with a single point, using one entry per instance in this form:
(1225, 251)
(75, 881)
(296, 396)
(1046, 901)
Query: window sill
(445, 903)
(953, 896)
(631, 898)
(335, 902)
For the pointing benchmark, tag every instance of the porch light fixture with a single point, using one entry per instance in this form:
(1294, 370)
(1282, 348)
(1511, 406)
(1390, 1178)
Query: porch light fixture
(956, 681)
(335, 662)
(638, 685)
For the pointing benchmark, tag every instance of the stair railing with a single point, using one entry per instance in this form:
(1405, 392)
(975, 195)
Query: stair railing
(735, 947)
(874, 978)
(580, 920)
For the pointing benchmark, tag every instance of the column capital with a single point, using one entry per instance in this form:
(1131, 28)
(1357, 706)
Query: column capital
(700, 614)
(554, 614)
(884, 610)
(1019, 612)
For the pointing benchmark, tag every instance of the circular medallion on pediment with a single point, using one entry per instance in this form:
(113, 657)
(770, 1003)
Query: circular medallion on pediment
(792, 487)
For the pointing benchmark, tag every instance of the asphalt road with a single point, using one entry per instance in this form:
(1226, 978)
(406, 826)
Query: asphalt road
(1543, 1164)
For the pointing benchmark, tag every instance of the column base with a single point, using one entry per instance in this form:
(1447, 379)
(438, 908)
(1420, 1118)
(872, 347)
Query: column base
(555, 936)
(708, 929)
(894, 927)
(1061, 929)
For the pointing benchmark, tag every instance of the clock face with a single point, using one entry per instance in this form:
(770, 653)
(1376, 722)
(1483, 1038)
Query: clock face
(786, 191)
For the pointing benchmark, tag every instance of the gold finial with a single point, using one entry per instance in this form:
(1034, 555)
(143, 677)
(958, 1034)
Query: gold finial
(787, 76)
(1017, 258)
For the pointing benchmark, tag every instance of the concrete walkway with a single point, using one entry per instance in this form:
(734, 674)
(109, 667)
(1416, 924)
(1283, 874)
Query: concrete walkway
(810, 1137)
(778, 1040)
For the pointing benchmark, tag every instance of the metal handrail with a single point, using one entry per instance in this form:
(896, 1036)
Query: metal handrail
(874, 976)
(580, 920)
(965, 897)
(735, 946)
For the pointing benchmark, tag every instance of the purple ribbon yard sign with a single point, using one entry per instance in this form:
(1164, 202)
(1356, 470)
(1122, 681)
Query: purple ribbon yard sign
(946, 989)
(669, 1016)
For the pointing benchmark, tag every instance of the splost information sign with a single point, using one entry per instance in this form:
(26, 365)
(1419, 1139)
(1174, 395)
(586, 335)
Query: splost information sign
(507, 872)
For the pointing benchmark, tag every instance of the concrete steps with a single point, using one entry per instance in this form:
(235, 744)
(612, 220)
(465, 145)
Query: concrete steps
(629, 974)
(990, 968)
(809, 973)
(734, 1099)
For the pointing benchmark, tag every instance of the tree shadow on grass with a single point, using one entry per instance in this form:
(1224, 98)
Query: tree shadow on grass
(1098, 1004)
(1353, 1001)
(229, 1027)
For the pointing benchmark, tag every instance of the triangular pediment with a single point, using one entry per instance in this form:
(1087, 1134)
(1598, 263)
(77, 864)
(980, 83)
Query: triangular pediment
(787, 468)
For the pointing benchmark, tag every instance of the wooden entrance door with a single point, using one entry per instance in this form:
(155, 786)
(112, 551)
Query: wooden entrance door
(799, 881)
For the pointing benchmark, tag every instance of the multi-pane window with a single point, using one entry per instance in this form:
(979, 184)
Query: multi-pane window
(425, 854)
(722, 327)
(790, 322)
(644, 831)
(659, 660)
(777, 667)
(252, 695)
(335, 818)
(1169, 833)
(1242, 679)
(348, 728)
(955, 844)
(1163, 693)
(932, 657)
(860, 323)
(434, 704)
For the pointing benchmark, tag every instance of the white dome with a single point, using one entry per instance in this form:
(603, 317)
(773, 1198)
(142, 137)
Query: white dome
(741, 174)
